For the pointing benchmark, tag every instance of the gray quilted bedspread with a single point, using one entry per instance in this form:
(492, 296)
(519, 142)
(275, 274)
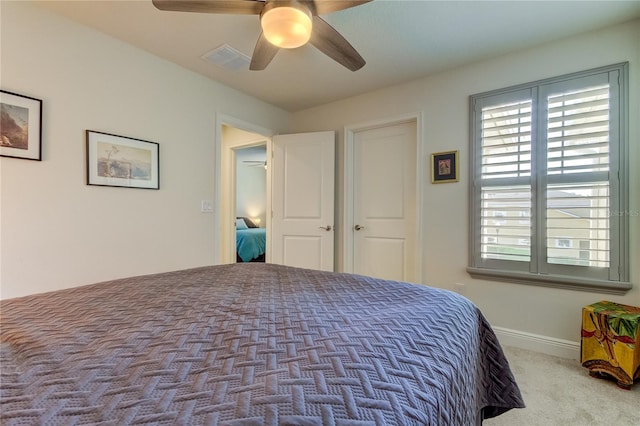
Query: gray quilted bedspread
(250, 344)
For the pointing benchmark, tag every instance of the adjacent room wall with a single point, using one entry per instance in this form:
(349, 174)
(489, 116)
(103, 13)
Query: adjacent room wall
(58, 232)
(538, 315)
(251, 192)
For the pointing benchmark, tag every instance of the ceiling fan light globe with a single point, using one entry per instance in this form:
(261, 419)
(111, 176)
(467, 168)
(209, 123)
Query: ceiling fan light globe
(286, 27)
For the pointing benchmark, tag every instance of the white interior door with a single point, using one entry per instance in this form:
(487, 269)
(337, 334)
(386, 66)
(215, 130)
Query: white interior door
(384, 210)
(303, 200)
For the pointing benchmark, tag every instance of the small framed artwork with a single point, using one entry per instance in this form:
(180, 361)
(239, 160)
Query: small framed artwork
(444, 167)
(114, 160)
(20, 126)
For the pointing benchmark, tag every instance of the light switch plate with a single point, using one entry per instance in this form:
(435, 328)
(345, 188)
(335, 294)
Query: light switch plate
(206, 206)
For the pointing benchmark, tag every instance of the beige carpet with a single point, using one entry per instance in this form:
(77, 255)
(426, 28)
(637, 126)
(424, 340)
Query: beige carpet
(560, 392)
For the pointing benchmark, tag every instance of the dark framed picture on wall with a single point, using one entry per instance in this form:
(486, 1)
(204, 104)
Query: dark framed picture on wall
(20, 126)
(444, 167)
(114, 160)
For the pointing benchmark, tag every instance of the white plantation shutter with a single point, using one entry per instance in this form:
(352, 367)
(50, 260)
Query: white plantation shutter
(505, 173)
(506, 140)
(578, 131)
(578, 164)
(579, 214)
(546, 166)
(506, 223)
(579, 135)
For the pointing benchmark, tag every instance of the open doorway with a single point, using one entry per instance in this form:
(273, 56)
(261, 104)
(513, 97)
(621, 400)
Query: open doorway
(244, 190)
(251, 203)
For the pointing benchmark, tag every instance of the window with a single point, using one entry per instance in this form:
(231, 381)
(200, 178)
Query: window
(564, 242)
(550, 181)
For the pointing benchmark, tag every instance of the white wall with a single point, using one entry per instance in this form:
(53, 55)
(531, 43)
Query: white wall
(58, 232)
(251, 195)
(251, 188)
(443, 100)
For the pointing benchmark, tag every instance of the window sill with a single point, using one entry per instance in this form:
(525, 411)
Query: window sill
(554, 281)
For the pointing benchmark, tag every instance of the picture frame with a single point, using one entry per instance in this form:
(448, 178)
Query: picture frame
(121, 161)
(20, 126)
(444, 167)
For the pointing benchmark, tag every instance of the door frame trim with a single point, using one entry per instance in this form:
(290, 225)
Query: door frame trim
(348, 188)
(225, 173)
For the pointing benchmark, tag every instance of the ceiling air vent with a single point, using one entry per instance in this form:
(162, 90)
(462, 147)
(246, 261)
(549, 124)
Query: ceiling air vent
(227, 57)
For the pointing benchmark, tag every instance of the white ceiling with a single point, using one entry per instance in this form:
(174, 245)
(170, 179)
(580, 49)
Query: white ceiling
(401, 40)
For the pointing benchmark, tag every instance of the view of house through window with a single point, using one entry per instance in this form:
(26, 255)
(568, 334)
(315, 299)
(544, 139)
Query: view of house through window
(547, 189)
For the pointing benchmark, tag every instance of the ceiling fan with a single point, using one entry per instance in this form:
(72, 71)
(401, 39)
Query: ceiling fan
(285, 24)
(255, 163)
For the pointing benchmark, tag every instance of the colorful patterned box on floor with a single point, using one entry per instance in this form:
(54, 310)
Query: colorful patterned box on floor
(611, 341)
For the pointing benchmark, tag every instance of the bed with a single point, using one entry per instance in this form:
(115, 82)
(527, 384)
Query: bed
(250, 344)
(251, 241)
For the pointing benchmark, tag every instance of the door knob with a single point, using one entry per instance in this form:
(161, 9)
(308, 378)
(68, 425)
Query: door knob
(358, 227)
(326, 228)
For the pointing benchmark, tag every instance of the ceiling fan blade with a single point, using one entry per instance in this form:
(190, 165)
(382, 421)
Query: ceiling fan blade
(322, 7)
(263, 53)
(331, 43)
(236, 7)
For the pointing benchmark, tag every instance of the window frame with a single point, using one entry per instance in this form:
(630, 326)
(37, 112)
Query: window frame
(615, 278)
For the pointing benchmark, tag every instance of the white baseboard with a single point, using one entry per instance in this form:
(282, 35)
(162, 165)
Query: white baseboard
(538, 343)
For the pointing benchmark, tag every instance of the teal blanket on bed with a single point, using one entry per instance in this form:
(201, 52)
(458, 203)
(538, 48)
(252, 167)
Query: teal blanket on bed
(250, 243)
